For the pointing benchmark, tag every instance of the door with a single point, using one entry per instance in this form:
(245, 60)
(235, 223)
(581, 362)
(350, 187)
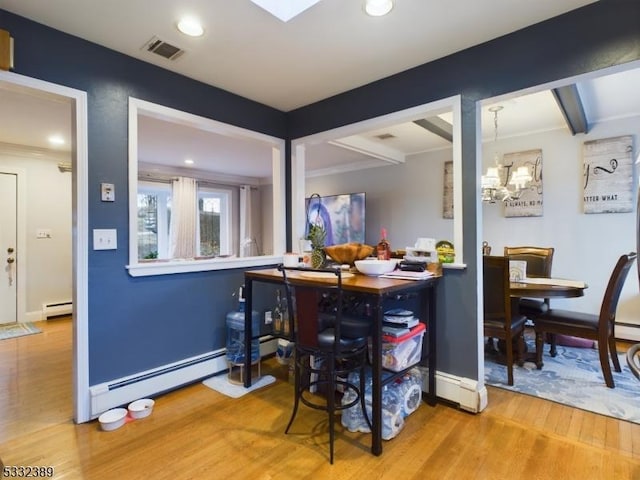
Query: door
(8, 241)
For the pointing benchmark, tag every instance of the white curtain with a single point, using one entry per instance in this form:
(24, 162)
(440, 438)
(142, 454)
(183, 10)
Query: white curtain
(247, 239)
(184, 218)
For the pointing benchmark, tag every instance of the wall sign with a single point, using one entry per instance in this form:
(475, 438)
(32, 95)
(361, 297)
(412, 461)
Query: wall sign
(447, 201)
(608, 175)
(529, 203)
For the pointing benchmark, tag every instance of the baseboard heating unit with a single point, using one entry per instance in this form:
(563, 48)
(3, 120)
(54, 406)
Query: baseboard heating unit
(121, 391)
(56, 308)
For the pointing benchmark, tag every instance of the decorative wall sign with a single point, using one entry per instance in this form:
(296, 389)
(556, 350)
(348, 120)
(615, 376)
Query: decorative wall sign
(608, 175)
(529, 202)
(447, 201)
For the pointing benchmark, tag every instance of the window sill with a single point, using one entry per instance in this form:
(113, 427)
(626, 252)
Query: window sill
(166, 267)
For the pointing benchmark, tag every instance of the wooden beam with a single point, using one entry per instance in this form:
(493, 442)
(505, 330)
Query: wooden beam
(570, 103)
(438, 126)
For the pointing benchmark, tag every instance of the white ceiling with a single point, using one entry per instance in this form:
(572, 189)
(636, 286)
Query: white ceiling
(329, 48)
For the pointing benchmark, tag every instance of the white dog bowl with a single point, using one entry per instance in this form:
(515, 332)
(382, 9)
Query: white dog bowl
(141, 408)
(112, 419)
(375, 267)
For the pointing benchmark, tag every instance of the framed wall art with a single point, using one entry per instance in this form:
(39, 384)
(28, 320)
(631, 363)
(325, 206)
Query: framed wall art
(529, 202)
(608, 175)
(447, 198)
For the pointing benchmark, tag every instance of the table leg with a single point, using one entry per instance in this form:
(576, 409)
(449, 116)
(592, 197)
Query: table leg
(429, 296)
(248, 334)
(376, 378)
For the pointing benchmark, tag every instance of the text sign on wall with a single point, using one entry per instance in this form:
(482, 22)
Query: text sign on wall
(447, 205)
(608, 175)
(529, 202)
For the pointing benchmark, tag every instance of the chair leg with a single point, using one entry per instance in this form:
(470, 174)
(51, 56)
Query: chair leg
(363, 403)
(603, 348)
(521, 349)
(331, 400)
(539, 347)
(296, 389)
(613, 350)
(509, 347)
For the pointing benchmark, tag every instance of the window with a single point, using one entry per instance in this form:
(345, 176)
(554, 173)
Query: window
(230, 156)
(154, 221)
(214, 219)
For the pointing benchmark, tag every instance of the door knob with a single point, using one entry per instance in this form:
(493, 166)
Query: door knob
(11, 260)
(10, 250)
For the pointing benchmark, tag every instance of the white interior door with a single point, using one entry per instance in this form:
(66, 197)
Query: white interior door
(8, 248)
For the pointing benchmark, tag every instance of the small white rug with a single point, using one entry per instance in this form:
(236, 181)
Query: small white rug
(13, 330)
(220, 383)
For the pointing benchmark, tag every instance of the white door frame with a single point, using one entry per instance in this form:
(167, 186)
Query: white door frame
(80, 206)
(21, 243)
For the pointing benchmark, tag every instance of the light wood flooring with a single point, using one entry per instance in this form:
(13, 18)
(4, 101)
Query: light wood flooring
(197, 433)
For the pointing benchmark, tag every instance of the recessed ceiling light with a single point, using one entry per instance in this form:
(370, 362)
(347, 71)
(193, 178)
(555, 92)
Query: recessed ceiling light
(190, 26)
(188, 161)
(56, 140)
(378, 8)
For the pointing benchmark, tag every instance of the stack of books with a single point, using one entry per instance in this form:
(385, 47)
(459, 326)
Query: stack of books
(398, 322)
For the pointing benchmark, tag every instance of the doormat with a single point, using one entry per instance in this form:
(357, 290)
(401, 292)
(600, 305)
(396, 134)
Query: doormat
(14, 330)
(573, 378)
(220, 383)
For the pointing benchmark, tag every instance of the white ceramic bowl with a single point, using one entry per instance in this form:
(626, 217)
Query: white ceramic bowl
(373, 266)
(141, 408)
(112, 419)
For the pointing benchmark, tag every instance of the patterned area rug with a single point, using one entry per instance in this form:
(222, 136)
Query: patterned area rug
(13, 330)
(572, 378)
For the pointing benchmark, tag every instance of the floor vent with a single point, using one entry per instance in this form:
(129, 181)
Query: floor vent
(162, 48)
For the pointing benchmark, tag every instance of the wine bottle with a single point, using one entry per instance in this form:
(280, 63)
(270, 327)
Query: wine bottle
(384, 249)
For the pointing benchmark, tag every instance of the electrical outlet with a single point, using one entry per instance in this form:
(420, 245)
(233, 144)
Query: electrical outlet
(105, 239)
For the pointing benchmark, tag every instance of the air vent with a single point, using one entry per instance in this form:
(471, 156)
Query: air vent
(385, 136)
(162, 48)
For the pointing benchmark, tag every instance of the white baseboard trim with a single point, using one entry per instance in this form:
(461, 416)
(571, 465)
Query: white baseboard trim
(120, 392)
(468, 394)
(35, 316)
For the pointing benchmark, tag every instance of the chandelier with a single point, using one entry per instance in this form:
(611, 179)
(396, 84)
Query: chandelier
(493, 187)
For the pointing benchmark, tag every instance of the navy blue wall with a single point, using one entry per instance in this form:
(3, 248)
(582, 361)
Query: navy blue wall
(592, 38)
(141, 323)
(136, 323)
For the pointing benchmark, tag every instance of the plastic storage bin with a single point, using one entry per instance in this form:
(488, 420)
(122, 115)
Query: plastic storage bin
(402, 352)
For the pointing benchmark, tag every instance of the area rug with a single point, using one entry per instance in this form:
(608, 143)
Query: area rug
(572, 378)
(14, 330)
(221, 384)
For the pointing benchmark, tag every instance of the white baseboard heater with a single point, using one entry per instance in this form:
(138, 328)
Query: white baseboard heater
(149, 383)
(54, 309)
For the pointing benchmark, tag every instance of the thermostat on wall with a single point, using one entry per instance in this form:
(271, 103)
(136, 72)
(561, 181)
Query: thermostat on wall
(108, 192)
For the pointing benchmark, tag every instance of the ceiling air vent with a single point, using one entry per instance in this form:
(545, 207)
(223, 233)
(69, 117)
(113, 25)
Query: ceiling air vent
(385, 136)
(162, 48)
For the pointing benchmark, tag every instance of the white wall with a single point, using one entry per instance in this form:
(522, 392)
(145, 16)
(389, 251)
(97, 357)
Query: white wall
(48, 261)
(407, 200)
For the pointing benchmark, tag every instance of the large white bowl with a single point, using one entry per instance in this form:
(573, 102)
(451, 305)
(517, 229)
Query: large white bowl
(112, 419)
(141, 408)
(373, 266)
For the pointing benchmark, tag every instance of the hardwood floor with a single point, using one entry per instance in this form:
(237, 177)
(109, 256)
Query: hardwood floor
(196, 432)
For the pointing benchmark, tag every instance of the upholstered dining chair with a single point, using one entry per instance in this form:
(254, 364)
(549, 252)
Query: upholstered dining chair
(328, 345)
(599, 327)
(501, 320)
(539, 261)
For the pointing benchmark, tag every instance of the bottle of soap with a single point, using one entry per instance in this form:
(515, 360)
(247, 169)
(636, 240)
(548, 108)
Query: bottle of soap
(384, 249)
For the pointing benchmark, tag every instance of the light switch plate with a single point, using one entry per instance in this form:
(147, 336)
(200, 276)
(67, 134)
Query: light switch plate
(108, 192)
(105, 239)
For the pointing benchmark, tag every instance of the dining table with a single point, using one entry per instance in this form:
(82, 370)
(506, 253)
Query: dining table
(378, 289)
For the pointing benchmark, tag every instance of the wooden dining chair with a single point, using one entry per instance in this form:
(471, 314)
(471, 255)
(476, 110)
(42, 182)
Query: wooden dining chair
(501, 320)
(328, 346)
(599, 327)
(539, 261)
